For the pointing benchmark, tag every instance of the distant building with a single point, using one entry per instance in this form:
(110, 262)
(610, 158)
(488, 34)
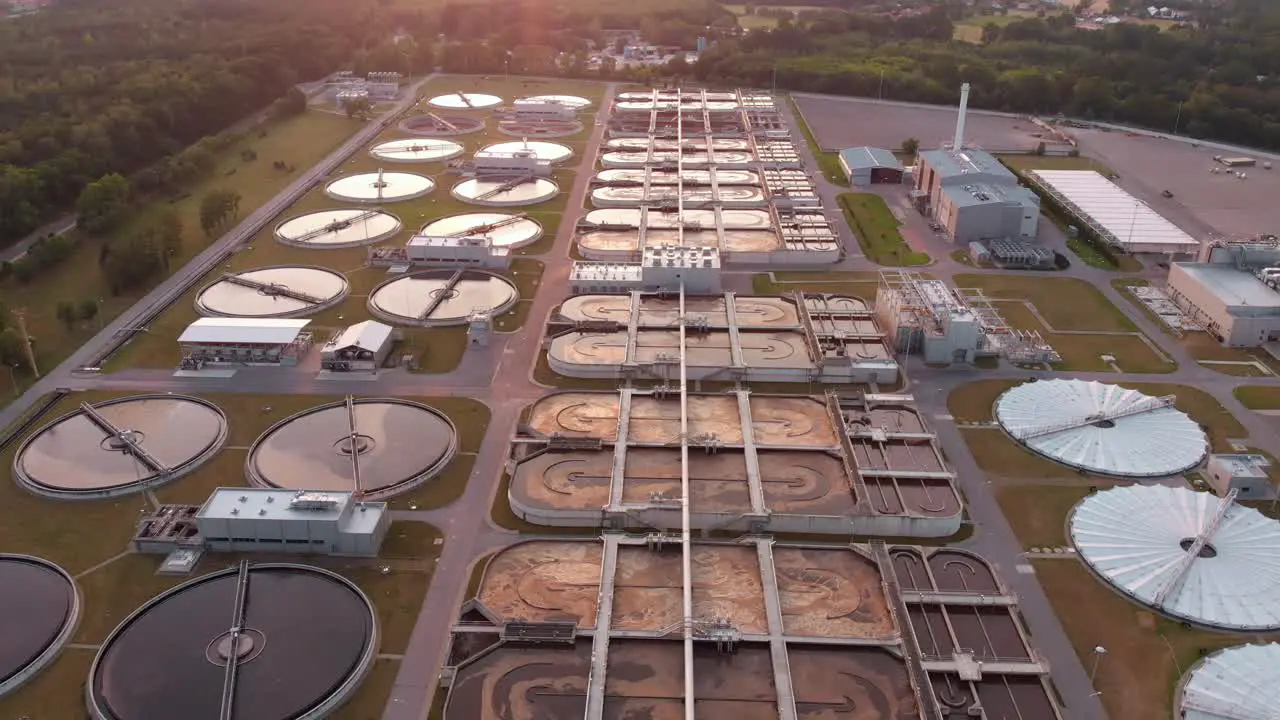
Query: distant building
(1242, 472)
(521, 163)
(361, 347)
(243, 341)
(973, 197)
(540, 110)
(870, 166)
(443, 251)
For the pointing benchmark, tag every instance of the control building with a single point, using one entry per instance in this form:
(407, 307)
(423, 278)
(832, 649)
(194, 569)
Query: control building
(268, 520)
(661, 269)
(540, 110)
(361, 347)
(1244, 473)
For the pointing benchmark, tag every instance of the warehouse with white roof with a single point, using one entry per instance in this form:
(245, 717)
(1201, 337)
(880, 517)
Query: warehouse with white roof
(1103, 208)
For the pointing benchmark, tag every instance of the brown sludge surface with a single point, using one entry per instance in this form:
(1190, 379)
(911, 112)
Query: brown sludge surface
(544, 581)
(831, 593)
(726, 584)
(850, 684)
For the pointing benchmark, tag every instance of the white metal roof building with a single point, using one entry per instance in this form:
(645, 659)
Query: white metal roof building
(1111, 213)
(243, 341)
(274, 520)
(1138, 539)
(1101, 428)
(1231, 304)
(1237, 683)
(363, 346)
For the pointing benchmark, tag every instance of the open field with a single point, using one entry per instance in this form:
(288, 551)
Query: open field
(970, 29)
(1037, 512)
(1146, 654)
(298, 142)
(860, 284)
(1022, 163)
(1084, 352)
(877, 230)
(1258, 397)
(1066, 303)
(841, 122)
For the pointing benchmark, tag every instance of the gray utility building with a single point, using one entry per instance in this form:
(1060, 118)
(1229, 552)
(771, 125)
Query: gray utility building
(1245, 473)
(870, 166)
(361, 347)
(273, 520)
(973, 197)
(1233, 304)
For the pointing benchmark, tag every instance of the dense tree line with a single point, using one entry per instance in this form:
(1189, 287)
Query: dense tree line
(88, 89)
(1221, 81)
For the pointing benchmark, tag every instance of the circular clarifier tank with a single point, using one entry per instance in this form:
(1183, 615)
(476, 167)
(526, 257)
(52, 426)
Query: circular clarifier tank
(441, 297)
(572, 101)
(465, 101)
(331, 229)
(120, 446)
(500, 192)
(272, 292)
(501, 229)
(302, 640)
(433, 125)
(413, 151)
(549, 151)
(396, 445)
(379, 187)
(39, 609)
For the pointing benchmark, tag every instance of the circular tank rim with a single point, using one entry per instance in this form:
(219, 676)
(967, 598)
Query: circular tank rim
(373, 153)
(148, 483)
(513, 246)
(328, 192)
(401, 320)
(431, 102)
(572, 127)
(499, 203)
(578, 101)
(334, 246)
(336, 697)
(256, 479)
(69, 627)
(407, 127)
(205, 311)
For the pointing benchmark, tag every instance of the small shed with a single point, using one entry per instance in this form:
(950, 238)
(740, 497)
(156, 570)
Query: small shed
(361, 347)
(871, 166)
(1244, 472)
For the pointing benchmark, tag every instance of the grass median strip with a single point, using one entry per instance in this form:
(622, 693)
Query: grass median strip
(877, 230)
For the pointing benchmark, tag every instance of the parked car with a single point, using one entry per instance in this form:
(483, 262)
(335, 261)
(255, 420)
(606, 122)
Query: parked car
(1167, 194)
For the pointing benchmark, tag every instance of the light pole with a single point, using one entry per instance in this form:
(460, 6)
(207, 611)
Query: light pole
(1098, 652)
(1177, 120)
(880, 92)
(13, 379)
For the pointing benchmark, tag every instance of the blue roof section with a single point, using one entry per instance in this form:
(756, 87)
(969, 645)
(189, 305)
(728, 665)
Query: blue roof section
(869, 157)
(970, 161)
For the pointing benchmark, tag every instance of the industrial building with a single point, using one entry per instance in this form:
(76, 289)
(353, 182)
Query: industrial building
(1244, 473)
(762, 463)
(1109, 213)
(243, 342)
(706, 170)
(949, 325)
(362, 347)
(665, 268)
(871, 166)
(1234, 304)
(655, 626)
(268, 520)
(969, 194)
(804, 338)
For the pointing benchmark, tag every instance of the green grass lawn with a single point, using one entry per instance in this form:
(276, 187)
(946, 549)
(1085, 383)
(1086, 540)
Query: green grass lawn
(864, 285)
(877, 230)
(1084, 352)
(1066, 303)
(299, 142)
(1258, 397)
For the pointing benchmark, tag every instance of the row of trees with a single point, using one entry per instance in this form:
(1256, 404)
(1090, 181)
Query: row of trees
(1220, 82)
(89, 90)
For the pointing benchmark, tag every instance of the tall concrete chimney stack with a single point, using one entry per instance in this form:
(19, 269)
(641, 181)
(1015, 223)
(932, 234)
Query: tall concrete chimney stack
(964, 107)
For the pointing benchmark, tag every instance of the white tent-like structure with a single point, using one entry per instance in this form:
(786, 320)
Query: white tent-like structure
(1119, 218)
(1101, 428)
(1238, 683)
(1187, 554)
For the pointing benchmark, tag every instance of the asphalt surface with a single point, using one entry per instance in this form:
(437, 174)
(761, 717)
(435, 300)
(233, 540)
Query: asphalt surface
(500, 376)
